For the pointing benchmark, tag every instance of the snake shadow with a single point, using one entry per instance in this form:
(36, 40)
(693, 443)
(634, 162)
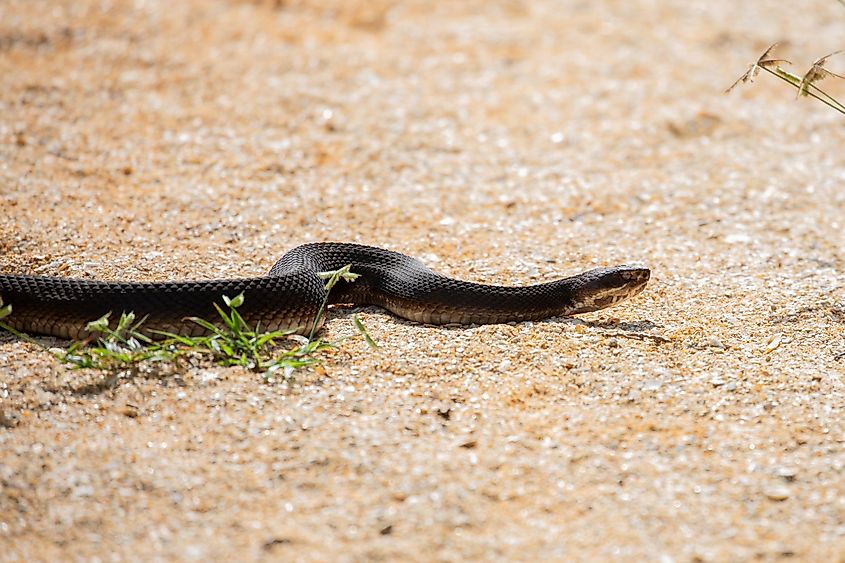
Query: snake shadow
(628, 329)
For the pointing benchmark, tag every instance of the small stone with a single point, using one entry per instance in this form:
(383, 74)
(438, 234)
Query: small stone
(737, 238)
(83, 491)
(773, 343)
(787, 473)
(714, 342)
(717, 382)
(777, 493)
(8, 419)
(271, 543)
(652, 385)
(207, 376)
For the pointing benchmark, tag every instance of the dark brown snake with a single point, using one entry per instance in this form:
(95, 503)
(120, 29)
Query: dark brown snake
(289, 297)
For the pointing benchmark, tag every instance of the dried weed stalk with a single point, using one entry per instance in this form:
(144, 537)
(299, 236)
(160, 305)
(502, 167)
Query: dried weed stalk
(817, 73)
(805, 84)
(763, 62)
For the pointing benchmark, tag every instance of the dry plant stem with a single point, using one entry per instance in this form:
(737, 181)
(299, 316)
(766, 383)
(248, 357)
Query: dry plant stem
(817, 73)
(331, 279)
(812, 90)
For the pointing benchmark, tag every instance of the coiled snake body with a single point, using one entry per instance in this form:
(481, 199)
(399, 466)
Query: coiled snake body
(289, 297)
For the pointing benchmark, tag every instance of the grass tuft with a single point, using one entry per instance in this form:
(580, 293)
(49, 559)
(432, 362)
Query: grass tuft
(230, 342)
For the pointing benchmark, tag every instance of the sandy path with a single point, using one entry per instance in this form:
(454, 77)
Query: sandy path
(499, 141)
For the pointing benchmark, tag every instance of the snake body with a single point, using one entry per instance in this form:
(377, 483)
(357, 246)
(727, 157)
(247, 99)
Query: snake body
(290, 296)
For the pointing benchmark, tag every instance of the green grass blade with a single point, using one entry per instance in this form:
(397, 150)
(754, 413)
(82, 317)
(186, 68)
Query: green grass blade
(5, 310)
(212, 328)
(100, 325)
(363, 330)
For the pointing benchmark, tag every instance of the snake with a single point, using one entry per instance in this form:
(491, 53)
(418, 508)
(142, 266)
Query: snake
(293, 295)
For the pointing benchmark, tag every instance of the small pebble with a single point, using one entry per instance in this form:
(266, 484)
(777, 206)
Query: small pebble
(787, 473)
(714, 342)
(777, 493)
(8, 419)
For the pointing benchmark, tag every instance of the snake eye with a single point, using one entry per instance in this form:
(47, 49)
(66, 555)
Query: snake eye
(620, 277)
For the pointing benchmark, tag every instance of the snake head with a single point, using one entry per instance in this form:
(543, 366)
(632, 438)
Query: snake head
(603, 287)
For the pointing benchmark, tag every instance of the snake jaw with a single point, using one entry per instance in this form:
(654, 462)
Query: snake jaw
(604, 287)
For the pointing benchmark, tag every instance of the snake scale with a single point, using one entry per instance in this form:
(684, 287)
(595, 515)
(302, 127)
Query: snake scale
(289, 297)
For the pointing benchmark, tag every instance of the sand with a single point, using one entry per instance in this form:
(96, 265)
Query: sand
(499, 141)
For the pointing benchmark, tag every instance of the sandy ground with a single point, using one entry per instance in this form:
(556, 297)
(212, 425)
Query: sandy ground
(497, 140)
